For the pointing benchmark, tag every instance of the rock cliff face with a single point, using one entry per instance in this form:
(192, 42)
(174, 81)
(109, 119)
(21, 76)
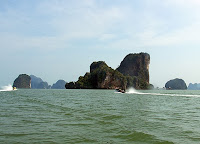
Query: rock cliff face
(132, 72)
(176, 84)
(60, 84)
(136, 68)
(22, 81)
(100, 77)
(105, 77)
(38, 83)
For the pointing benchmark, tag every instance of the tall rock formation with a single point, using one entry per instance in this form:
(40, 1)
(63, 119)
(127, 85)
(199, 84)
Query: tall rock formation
(100, 77)
(22, 81)
(136, 68)
(105, 77)
(60, 84)
(176, 84)
(132, 72)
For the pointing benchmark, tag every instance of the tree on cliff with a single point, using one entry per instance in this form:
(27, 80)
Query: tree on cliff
(100, 77)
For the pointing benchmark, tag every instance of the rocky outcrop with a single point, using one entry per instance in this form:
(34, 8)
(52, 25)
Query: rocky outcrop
(136, 69)
(22, 81)
(176, 84)
(195, 86)
(132, 72)
(100, 77)
(35, 81)
(60, 84)
(38, 83)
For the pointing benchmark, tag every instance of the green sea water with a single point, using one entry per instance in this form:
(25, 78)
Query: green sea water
(99, 116)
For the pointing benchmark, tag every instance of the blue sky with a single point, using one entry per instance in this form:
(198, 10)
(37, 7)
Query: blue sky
(59, 39)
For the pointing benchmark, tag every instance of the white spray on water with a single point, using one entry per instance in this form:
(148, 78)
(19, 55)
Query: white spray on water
(131, 90)
(6, 88)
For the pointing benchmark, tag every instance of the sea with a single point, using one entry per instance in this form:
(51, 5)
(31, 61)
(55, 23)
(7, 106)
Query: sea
(99, 116)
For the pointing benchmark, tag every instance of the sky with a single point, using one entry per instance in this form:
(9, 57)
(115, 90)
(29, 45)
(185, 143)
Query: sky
(59, 39)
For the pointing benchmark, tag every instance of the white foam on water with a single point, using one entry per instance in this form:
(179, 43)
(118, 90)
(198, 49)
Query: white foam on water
(131, 90)
(6, 88)
(134, 91)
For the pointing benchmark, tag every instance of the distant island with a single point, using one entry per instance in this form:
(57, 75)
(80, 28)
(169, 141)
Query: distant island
(33, 82)
(22, 81)
(176, 84)
(132, 72)
(195, 86)
(60, 84)
(38, 83)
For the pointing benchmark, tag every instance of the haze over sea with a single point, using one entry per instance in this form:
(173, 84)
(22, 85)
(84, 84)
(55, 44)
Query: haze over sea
(99, 116)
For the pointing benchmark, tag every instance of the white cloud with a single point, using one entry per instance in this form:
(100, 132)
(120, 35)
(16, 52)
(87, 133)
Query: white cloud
(184, 2)
(16, 42)
(70, 20)
(121, 27)
(82, 19)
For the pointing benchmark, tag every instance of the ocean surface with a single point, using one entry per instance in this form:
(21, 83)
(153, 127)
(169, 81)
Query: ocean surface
(99, 116)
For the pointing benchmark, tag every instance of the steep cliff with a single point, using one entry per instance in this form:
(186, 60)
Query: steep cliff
(105, 77)
(132, 72)
(60, 84)
(22, 81)
(136, 69)
(100, 77)
(176, 84)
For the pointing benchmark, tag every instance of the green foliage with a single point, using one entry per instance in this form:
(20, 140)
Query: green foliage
(98, 74)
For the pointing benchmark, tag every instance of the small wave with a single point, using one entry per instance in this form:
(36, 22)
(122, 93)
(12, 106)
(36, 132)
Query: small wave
(6, 88)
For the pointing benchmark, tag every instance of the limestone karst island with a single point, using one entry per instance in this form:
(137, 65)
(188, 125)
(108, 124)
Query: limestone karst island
(132, 72)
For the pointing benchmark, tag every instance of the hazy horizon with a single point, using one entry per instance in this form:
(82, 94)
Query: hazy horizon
(55, 40)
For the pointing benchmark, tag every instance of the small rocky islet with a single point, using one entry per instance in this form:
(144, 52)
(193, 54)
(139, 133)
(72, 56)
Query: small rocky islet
(176, 84)
(33, 82)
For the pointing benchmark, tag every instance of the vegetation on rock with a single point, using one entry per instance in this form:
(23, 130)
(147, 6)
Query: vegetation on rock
(132, 72)
(100, 77)
(105, 77)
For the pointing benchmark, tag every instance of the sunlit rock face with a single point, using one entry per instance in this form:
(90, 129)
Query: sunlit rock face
(136, 68)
